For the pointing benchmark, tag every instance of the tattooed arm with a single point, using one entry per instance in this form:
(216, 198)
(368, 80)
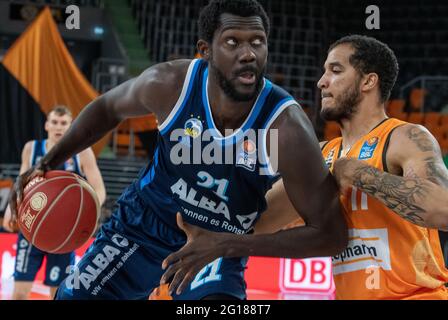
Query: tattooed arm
(416, 187)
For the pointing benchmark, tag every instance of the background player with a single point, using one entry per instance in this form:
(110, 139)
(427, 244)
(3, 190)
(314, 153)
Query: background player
(226, 90)
(28, 258)
(392, 178)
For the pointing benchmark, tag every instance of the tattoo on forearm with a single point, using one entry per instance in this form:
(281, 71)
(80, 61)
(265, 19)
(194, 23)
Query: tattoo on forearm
(397, 193)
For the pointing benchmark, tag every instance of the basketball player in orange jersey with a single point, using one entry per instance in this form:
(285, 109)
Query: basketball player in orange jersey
(394, 185)
(28, 258)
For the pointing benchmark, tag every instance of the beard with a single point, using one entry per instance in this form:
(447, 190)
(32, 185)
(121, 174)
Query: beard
(346, 105)
(230, 89)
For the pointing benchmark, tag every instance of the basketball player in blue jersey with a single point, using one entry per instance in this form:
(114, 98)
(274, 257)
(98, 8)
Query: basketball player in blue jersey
(29, 258)
(197, 103)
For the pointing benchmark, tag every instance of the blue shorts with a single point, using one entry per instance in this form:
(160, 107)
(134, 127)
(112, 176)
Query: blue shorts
(29, 260)
(124, 262)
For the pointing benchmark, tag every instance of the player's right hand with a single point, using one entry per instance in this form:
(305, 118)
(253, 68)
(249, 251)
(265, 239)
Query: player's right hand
(16, 195)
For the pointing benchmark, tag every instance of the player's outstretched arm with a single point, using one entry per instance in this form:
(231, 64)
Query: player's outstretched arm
(155, 90)
(417, 187)
(312, 191)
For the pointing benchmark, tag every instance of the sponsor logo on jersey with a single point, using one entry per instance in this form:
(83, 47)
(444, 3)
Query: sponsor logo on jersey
(193, 127)
(192, 197)
(108, 257)
(366, 248)
(247, 157)
(368, 148)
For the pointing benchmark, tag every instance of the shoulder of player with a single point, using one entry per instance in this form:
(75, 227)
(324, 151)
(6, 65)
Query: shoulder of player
(28, 147)
(165, 76)
(161, 85)
(413, 136)
(409, 141)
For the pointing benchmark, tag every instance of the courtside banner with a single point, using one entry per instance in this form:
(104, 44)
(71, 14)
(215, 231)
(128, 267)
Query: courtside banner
(267, 278)
(8, 246)
(312, 275)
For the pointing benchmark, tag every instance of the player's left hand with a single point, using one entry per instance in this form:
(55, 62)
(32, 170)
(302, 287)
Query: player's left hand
(201, 248)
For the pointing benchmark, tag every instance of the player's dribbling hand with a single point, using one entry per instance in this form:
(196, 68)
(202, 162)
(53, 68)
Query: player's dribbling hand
(201, 248)
(16, 195)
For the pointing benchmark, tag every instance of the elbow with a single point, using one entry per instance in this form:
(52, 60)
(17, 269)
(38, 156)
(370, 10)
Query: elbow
(340, 242)
(336, 239)
(335, 233)
(335, 230)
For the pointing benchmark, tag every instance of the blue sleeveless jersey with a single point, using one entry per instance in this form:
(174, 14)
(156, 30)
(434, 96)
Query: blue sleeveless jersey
(39, 150)
(216, 182)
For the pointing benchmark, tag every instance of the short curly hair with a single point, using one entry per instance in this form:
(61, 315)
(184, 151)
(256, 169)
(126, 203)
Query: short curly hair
(209, 20)
(372, 55)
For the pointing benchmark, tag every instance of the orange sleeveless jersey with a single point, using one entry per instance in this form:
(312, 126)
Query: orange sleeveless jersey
(387, 257)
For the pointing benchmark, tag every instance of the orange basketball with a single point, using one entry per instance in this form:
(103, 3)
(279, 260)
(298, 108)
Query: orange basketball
(59, 212)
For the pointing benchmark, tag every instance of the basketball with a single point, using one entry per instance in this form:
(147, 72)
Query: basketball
(59, 212)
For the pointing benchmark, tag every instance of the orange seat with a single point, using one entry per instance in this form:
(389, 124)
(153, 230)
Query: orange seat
(145, 123)
(444, 120)
(400, 115)
(432, 118)
(444, 146)
(124, 140)
(124, 126)
(444, 129)
(437, 131)
(395, 106)
(417, 99)
(6, 183)
(416, 117)
(332, 130)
